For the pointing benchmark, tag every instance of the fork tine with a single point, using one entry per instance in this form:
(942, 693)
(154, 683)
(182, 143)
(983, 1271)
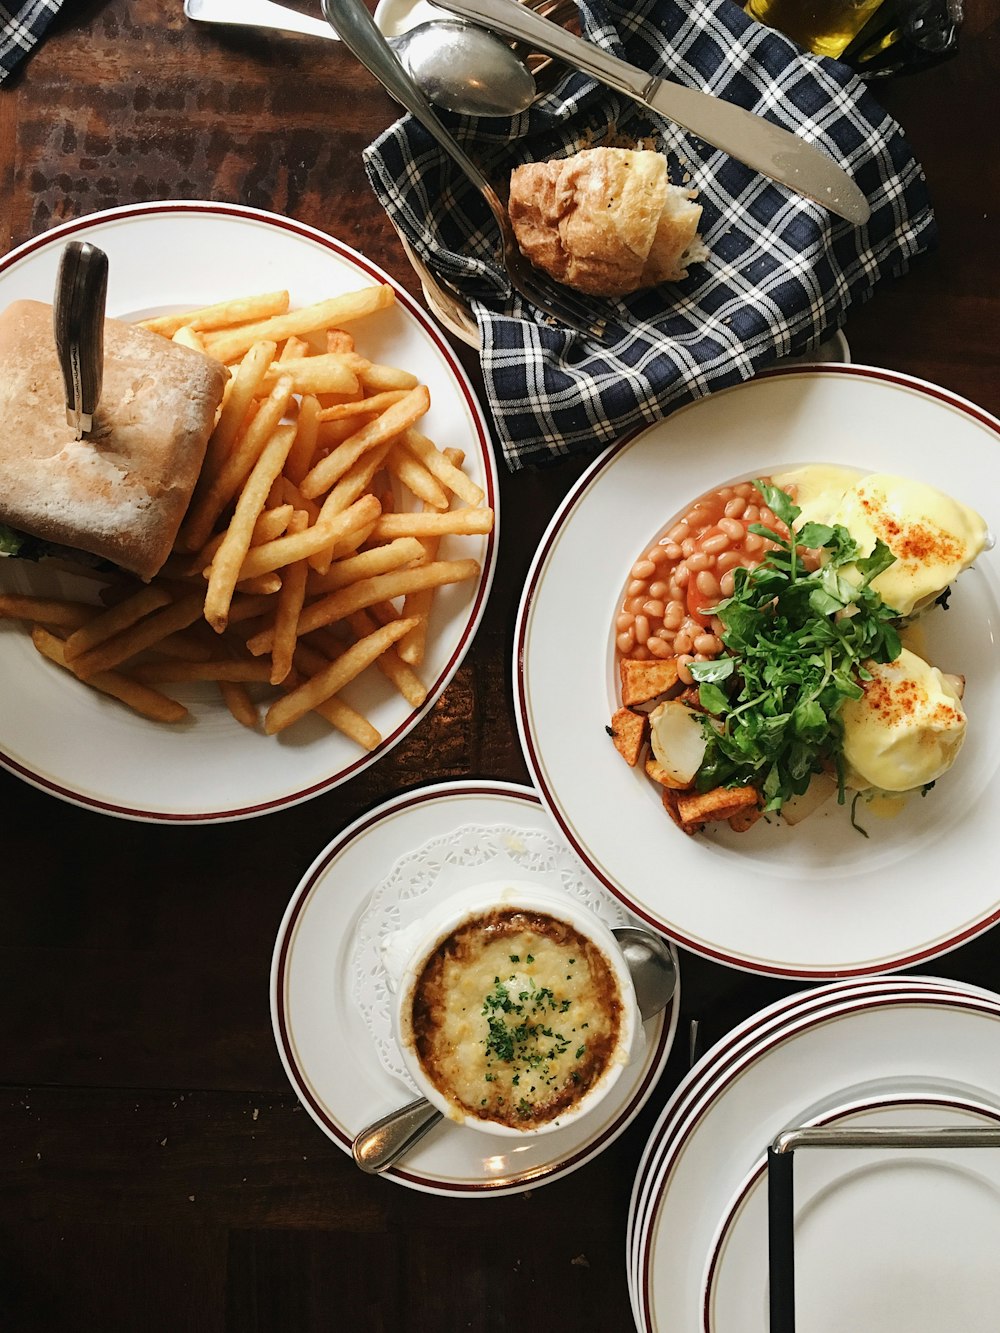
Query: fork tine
(561, 307)
(591, 321)
(585, 314)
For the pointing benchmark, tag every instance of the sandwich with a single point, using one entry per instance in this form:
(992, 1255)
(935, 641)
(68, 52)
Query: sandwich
(606, 221)
(120, 494)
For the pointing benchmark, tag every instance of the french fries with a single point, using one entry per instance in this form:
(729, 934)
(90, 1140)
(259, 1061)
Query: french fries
(325, 684)
(45, 610)
(138, 697)
(310, 547)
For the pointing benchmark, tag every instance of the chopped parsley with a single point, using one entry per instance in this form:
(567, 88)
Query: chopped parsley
(797, 638)
(519, 1034)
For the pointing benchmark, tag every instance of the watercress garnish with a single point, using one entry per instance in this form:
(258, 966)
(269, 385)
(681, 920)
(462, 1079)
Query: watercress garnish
(796, 636)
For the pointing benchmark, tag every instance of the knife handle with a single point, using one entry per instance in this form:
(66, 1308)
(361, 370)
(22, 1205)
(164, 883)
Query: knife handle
(78, 320)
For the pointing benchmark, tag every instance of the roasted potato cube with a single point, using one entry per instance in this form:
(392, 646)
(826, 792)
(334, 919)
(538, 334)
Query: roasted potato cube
(629, 731)
(642, 681)
(670, 805)
(745, 819)
(719, 803)
(658, 773)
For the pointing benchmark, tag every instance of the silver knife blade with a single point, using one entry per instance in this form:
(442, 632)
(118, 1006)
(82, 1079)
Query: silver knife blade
(258, 14)
(769, 149)
(78, 326)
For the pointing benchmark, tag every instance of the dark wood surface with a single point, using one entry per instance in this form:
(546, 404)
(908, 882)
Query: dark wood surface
(156, 1170)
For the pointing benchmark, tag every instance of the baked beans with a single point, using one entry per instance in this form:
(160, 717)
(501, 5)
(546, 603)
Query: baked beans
(672, 587)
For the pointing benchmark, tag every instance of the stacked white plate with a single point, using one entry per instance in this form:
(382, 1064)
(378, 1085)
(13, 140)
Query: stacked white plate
(885, 1239)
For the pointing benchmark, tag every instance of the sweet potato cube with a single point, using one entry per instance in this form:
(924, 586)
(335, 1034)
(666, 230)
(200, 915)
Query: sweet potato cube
(656, 771)
(670, 805)
(719, 803)
(745, 819)
(642, 681)
(629, 731)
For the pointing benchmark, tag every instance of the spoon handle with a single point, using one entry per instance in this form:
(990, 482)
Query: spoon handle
(384, 1142)
(360, 35)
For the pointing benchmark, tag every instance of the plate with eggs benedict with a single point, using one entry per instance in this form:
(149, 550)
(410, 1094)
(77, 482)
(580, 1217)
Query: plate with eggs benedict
(780, 743)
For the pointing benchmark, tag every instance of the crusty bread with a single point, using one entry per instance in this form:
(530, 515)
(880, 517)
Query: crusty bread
(606, 221)
(121, 494)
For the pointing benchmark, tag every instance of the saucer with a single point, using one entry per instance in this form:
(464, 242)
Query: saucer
(322, 990)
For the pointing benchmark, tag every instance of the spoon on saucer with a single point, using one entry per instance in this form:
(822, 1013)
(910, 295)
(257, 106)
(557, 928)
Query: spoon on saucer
(654, 977)
(458, 65)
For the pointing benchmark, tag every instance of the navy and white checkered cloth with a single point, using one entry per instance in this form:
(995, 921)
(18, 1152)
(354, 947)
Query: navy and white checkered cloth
(21, 28)
(782, 271)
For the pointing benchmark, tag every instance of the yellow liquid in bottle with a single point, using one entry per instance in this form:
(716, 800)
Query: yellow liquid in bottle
(826, 27)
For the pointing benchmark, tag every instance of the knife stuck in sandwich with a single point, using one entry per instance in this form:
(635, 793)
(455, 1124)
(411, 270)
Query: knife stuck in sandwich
(106, 425)
(78, 325)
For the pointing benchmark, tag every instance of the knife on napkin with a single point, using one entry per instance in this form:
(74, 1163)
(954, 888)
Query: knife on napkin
(78, 325)
(769, 149)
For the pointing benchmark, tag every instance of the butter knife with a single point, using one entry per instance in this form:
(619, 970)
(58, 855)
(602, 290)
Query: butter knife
(258, 14)
(769, 149)
(78, 324)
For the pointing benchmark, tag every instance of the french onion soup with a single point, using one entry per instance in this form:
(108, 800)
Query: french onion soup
(515, 1017)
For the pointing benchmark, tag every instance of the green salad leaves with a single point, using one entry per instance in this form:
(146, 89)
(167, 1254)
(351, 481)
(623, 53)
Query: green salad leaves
(796, 638)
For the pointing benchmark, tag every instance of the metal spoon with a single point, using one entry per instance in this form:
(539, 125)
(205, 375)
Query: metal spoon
(654, 977)
(458, 65)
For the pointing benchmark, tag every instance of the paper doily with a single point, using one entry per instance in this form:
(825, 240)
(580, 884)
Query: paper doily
(460, 859)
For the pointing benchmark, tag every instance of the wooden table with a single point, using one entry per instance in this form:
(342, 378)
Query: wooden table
(157, 1170)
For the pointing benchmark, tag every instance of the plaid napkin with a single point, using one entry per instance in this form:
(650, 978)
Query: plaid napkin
(22, 26)
(781, 274)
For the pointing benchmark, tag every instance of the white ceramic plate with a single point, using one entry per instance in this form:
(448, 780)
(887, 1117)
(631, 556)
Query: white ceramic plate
(925, 1036)
(819, 899)
(910, 1234)
(719, 1064)
(78, 745)
(329, 1051)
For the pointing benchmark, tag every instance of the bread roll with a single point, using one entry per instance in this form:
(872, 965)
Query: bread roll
(120, 494)
(606, 221)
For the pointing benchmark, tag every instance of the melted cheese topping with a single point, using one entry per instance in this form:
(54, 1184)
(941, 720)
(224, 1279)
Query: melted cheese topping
(906, 730)
(514, 1017)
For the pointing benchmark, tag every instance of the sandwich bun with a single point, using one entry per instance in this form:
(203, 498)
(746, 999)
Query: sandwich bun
(606, 221)
(121, 493)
